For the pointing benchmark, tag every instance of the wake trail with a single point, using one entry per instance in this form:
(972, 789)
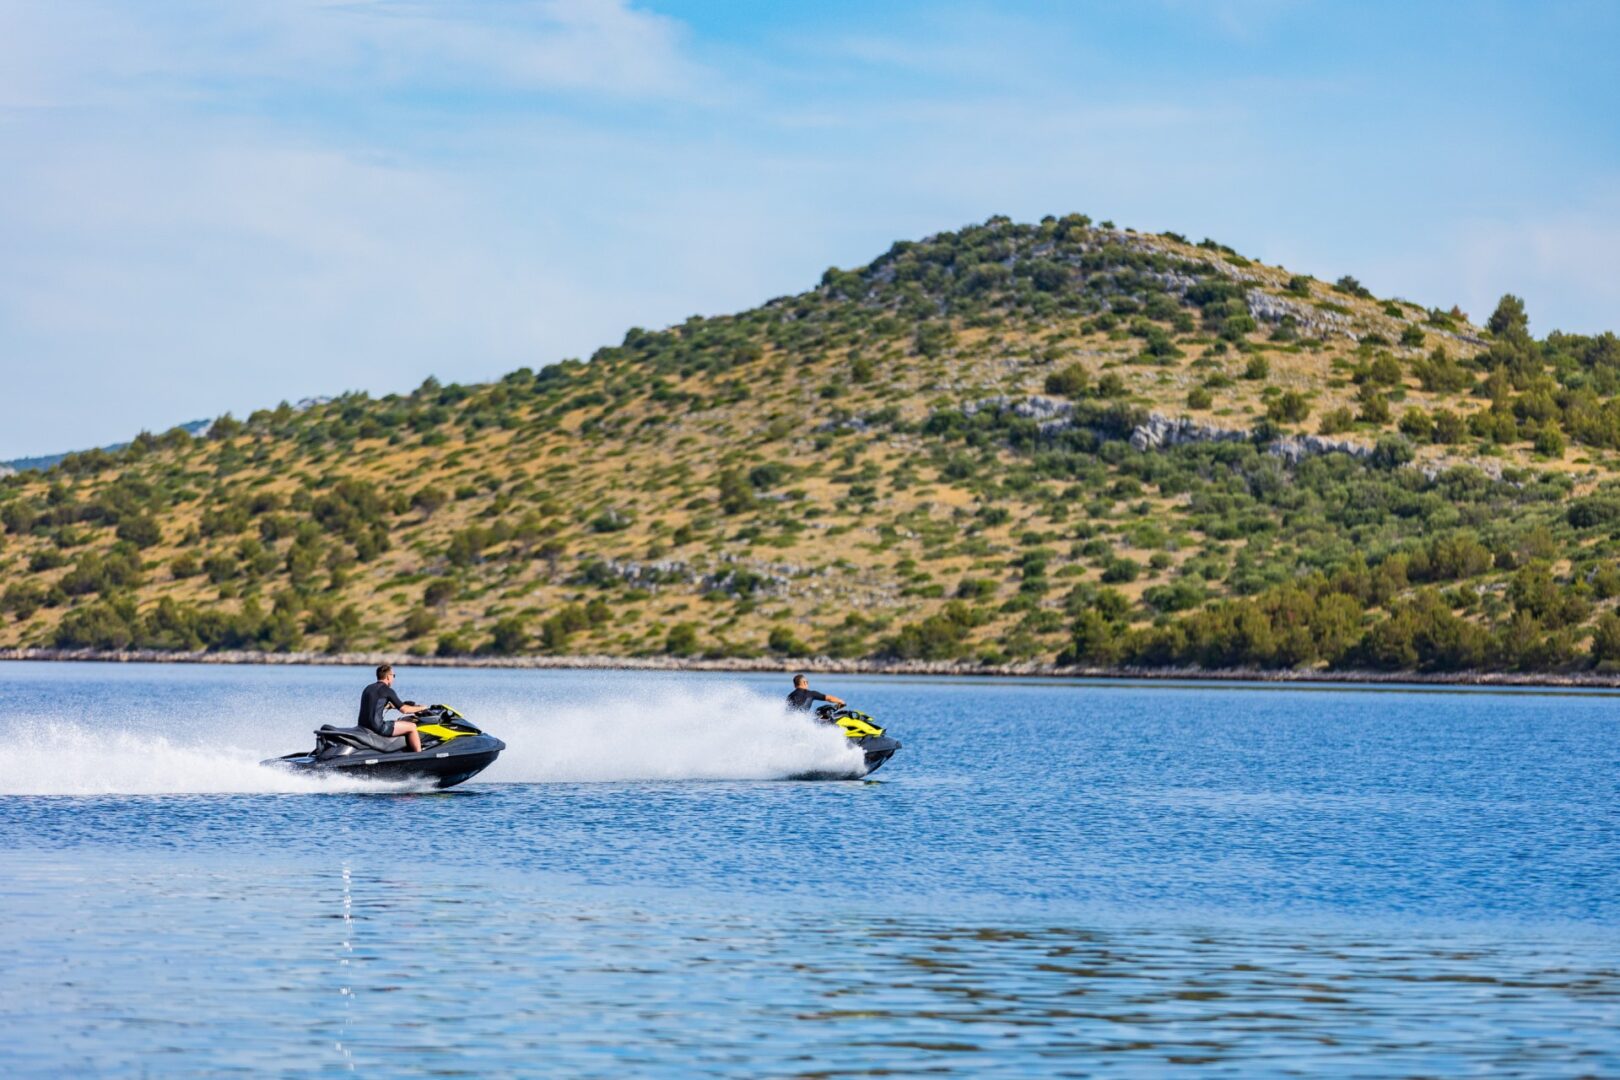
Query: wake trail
(662, 732)
(667, 733)
(67, 758)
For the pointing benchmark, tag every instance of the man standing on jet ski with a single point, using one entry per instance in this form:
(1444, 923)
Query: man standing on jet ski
(377, 699)
(802, 695)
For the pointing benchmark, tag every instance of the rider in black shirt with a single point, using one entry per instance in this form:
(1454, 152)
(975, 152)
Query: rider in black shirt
(379, 697)
(802, 695)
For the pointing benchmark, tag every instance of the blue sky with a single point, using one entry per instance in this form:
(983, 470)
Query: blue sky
(209, 207)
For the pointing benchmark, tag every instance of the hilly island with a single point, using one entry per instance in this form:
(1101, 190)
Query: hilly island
(1060, 444)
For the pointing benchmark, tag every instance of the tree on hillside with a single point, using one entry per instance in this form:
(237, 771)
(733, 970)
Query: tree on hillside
(1509, 318)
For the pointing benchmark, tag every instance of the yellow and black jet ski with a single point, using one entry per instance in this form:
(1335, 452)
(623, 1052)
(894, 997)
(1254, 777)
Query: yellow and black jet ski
(453, 750)
(863, 731)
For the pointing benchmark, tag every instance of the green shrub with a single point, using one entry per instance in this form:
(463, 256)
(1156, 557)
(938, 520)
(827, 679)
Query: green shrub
(22, 599)
(976, 589)
(1417, 424)
(1594, 511)
(508, 637)
(560, 626)
(736, 493)
(1550, 441)
(1374, 409)
(1121, 570)
(1073, 382)
(1449, 428)
(1350, 285)
(784, 642)
(682, 639)
(419, 621)
(1110, 386)
(1289, 407)
(1391, 452)
(102, 625)
(938, 637)
(140, 530)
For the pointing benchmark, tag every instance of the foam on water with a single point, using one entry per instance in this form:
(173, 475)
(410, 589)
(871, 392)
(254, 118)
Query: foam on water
(67, 758)
(667, 733)
(663, 733)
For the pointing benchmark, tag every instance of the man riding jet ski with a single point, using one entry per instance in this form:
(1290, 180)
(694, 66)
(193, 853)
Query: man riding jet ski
(861, 729)
(438, 745)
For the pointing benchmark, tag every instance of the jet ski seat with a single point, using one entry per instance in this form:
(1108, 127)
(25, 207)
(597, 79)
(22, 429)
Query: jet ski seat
(358, 737)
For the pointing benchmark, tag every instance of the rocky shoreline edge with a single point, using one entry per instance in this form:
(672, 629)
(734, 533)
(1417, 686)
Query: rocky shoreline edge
(822, 666)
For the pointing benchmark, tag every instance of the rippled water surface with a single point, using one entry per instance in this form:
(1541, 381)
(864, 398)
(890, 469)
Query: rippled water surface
(1049, 879)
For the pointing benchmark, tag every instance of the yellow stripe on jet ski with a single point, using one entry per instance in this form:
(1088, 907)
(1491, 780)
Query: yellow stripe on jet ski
(439, 731)
(857, 728)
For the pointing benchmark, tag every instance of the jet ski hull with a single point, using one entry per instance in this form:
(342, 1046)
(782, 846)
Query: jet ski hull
(440, 766)
(878, 749)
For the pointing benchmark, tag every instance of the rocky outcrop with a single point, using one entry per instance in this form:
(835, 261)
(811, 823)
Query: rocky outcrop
(1052, 415)
(1437, 467)
(643, 575)
(1162, 431)
(1171, 281)
(1296, 448)
(1308, 318)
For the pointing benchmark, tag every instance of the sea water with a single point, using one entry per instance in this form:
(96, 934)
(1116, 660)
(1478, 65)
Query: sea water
(1050, 878)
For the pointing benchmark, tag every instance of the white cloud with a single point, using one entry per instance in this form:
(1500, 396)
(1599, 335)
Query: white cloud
(90, 53)
(184, 228)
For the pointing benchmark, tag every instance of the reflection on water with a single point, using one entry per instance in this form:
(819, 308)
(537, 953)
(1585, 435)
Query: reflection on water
(412, 970)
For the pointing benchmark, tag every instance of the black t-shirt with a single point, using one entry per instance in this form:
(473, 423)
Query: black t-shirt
(802, 697)
(373, 700)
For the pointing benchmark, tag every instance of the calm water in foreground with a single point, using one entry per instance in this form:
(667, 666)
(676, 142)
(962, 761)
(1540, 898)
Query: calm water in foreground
(1049, 879)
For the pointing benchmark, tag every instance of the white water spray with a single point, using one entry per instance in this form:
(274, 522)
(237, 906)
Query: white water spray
(667, 732)
(653, 732)
(72, 759)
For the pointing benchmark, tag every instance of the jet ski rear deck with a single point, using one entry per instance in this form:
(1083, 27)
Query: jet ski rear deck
(453, 751)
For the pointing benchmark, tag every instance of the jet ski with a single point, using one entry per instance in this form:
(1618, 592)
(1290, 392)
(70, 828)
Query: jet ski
(453, 750)
(863, 731)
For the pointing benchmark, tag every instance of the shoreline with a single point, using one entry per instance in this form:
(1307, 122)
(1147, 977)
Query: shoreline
(817, 665)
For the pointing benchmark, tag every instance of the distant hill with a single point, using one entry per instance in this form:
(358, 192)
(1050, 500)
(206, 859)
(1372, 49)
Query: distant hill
(1053, 441)
(45, 461)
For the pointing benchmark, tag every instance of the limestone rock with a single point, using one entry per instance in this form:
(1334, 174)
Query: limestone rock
(1310, 319)
(1295, 448)
(1162, 431)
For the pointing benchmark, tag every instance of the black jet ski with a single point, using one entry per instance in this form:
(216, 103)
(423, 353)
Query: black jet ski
(453, 750)
(863, 731)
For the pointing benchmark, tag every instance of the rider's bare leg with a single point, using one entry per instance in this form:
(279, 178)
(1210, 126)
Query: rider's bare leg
(407, 728)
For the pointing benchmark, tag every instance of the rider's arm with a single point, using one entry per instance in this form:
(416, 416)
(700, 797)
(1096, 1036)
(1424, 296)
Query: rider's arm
(405, 709)
(840, 702)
